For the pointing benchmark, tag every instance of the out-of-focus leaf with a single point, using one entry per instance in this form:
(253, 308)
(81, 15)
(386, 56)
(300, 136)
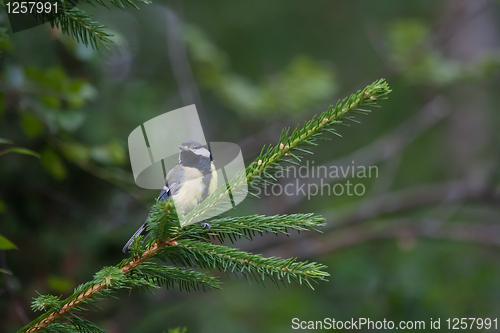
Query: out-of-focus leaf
(417, 59)
(6, 244)
(50, 102)
(202, 49)
(53, 164)
(5, 271)
(112, 152)
(88, 92)
(78, 92)
(52, 78)
(5, 42)
(34, 74)
(76, 152)
(100, 154)
(489, 67)
(302, 84)
(55, 78)
(177, 330)
(116, 152)
(31, 125)
(71, 120)
(59, 284)
(407, 38)
(20, 150)
(237, 90)
(58, 86)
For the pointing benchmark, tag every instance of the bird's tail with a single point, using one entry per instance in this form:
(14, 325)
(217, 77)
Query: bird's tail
(139, 231)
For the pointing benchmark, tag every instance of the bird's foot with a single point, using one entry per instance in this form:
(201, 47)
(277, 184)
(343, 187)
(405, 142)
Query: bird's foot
(205, 225)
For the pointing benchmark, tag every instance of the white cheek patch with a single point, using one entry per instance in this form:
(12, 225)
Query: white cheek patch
(202, 152)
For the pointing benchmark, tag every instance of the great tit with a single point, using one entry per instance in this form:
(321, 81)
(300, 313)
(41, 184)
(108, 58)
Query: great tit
(189, 182)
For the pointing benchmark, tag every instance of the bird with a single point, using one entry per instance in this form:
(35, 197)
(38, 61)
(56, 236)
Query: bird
(188, 183)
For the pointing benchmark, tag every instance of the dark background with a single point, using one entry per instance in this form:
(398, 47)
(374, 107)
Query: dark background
(422, 243)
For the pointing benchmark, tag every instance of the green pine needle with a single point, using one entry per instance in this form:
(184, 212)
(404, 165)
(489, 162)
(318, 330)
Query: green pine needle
(290, 148)
(249, 226)
(251, 266)
(169, 276)
(74, 22)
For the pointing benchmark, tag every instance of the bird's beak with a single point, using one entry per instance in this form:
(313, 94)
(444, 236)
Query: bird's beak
(181, 147)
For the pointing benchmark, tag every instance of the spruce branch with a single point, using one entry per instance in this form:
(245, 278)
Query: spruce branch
(163, 224)
(60, 328)
(248, 226)
(189, 244)
(169, 276)
(75, 23)
(291, 147)
(251, 266)
(105, 282)
(118, 3)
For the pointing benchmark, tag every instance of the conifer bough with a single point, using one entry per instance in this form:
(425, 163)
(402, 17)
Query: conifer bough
(191, 246)
(75, 23)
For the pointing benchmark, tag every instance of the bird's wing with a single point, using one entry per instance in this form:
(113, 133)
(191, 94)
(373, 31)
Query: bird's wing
(174, 179)
(172, 183)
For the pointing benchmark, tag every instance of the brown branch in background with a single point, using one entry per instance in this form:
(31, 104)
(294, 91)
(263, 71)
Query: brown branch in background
(181, 67)
(395, 202)
(405, 230)
(450, 192)
(130, 266)
(179, 60)
(470, 131)
(458, 15)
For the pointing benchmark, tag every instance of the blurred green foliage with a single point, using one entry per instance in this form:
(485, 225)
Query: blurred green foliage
(6, 244)
(303, 83)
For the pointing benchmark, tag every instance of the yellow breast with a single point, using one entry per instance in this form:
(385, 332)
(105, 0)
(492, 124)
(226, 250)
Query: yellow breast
(190, 193)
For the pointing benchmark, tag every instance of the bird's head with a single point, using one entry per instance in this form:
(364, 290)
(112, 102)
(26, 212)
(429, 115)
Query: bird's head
(192, 152)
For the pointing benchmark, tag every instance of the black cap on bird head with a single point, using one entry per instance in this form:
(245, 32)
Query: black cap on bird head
(192, 151)
(190, 144)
